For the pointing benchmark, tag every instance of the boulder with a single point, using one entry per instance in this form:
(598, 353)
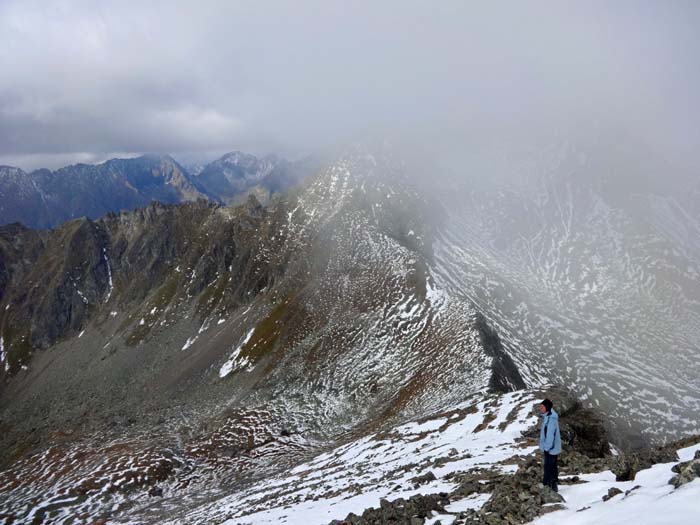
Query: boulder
(686, 471)
(411, 511)
(612, 492)
(423, 479)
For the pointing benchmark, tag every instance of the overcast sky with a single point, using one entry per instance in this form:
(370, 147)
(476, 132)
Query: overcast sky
(84, 81)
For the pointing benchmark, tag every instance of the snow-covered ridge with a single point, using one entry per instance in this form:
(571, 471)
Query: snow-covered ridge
(484, 433)
(363, 339)
(427, 456)
(482, 437)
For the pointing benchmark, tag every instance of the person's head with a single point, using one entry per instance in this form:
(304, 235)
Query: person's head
(545, 406)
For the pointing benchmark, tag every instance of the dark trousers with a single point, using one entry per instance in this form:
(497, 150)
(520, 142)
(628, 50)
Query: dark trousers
(551, 471)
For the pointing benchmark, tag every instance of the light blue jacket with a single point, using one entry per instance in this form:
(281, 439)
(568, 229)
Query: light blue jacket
(550, 428)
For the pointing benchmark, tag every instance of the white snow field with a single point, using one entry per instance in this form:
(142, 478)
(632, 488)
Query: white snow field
(356, 475)
(484, 434)
(654, 502)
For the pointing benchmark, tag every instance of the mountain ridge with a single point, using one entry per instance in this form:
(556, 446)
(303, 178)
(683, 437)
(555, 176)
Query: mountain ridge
(322, 300)
(46, 198)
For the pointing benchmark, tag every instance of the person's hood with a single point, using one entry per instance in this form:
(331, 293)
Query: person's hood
(552, 414)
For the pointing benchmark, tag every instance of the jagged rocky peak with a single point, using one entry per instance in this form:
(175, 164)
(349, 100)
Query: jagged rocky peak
(236, 175)
(19, 196)
(249, 163)
(239, 166)
(154, 169)
(10, 173)
(48, 198)
(45, 198)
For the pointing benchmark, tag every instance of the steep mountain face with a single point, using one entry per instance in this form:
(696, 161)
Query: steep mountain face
(44, 198)
(235, 172)
(20, 199)
(163, 358)
(589, 281)
(240, 337)
(236, 175)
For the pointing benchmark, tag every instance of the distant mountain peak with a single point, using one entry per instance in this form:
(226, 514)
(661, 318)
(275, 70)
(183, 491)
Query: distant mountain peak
(8, 171)
(46, 198)
(252, 166)
(236, 174)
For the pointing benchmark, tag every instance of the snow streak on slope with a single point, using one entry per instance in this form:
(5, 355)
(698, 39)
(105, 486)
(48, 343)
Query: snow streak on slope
(372, 336)
(604, 290)
(479, 436)
(140, 478)
(354, 476)
(55, 486)
(233, 361)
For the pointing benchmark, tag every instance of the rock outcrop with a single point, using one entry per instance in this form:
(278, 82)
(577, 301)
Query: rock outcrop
(686, 471)
(411, 511)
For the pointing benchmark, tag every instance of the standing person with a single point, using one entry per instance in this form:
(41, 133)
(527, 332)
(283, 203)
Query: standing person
(550, 444)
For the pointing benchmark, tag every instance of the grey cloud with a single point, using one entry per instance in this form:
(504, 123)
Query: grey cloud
(87, 79)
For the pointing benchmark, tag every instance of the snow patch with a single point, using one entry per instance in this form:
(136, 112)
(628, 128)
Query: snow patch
(190, 341)
(653, 502)
(428, 426)
(82, 296)
(109, 275)
(3, 357)
(476, 501)
(231, 363)
(435, 296)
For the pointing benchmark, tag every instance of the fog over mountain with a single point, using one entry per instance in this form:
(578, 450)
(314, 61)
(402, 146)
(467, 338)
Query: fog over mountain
(301, 261)
(83, 82)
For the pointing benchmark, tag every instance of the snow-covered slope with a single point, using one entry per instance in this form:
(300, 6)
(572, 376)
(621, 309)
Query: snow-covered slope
(258, 333)
(588, 283)
(482, 437)
(649, 499)
(483, 433)
(181, 362)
